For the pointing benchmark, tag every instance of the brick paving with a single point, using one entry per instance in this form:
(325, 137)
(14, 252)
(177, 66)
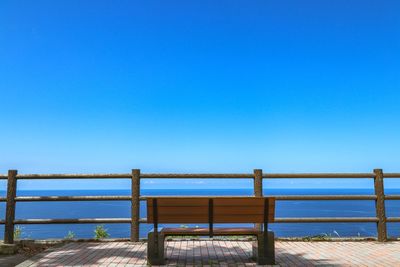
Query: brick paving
(221, 253)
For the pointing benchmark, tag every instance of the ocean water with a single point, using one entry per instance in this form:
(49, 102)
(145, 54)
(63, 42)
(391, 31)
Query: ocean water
(121, 209)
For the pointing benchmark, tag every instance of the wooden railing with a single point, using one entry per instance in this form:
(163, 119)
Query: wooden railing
(135, 176)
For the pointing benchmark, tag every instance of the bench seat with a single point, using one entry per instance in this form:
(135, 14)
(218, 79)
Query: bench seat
(206, 231)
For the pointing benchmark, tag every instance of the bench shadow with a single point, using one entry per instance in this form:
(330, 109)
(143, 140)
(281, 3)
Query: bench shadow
(92, 254)
(281, 257)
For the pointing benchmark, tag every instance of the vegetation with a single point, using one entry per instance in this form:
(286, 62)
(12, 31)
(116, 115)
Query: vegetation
(321, 237)
(100, 232)
(17, 232)
(70, 235)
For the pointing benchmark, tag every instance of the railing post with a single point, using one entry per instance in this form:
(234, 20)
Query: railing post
(10, 207)
(135, 205)
(258, 192)
(258, 183)
(380, 205)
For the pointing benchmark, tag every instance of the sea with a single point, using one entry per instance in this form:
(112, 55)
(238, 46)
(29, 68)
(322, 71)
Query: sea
(121, 209)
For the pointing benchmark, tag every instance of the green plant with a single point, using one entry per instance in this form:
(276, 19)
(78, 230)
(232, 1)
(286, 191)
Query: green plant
(70, 235)
(100, 232)
(17, 232)
(321, 237)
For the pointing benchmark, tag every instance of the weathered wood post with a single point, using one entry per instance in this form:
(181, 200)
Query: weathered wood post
(258, 187)
(258, 182)
(380, 205)
(135, 205)
(10, 207)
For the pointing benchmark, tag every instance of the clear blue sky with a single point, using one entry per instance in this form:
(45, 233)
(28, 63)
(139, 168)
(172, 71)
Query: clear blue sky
(199, 86)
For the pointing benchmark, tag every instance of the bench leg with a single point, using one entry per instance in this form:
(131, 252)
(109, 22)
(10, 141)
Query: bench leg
(264, 248)
(155, 255)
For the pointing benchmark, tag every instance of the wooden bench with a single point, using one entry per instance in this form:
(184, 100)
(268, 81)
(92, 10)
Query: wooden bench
(211, 210)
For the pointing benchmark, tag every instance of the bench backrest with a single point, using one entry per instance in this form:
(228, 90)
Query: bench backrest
(210, 209)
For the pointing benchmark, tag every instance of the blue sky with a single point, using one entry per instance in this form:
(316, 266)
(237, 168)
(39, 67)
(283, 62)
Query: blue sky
(199, 86)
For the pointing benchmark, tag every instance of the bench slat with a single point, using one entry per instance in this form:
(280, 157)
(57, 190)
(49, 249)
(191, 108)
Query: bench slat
(205, 231)
(237, 202)
(239, 210)
(183, 211)
(179, 202)
(246, 218)
(181, 219)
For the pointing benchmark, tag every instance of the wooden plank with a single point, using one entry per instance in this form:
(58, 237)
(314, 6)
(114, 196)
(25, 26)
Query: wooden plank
(320, 219)
(247, 218)
(197, 175)
(180, 219)
(325, 219)
(71, 198)
(249, 201)
(296, 197)
(74, 176)
(178, 205)
(391, 175)
(239, 210)
(393, 219)
(392, 197)
(181, 211)
(205, 231)
(318, 175)
(324, 197)
(178, 202)
(68, 221)
(205, 175)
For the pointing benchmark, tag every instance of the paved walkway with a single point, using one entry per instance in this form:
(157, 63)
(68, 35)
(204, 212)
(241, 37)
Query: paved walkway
(221, 253)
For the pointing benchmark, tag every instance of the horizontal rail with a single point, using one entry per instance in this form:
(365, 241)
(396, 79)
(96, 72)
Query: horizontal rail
(326, 197)
(289, 197)
(201, 175)
(318, 175)
(197, 175)
(392, 197)
(186, 196)
(393, 219)
(315, 220)
(74, 176)
(326, 219)
(77, 221)
(391, 175)
(3, 199)
(68, 221)
(71, 198)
